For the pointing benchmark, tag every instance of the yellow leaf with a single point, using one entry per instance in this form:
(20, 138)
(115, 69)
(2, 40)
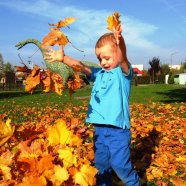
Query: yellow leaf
(58, 133)
(79, 179)
(6, 131)
(156, 172)
(181, 158)
(86, 176)
(113, 21)
(5, 172)
(60, 175)
(68, 157)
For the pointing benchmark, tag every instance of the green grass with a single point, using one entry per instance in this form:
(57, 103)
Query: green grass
(139, 94)
(158, 93)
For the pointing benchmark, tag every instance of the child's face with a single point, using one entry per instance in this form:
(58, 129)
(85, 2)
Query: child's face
(107, 56)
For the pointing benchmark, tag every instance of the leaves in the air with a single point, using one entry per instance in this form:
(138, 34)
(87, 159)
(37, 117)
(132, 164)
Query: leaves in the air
(64, 22)
(56, 36)
(113, 21)
(75, 82)
(33, 80)
(50, 81)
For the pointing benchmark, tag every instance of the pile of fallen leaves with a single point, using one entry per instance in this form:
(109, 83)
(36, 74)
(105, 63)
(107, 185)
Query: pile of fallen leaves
(38, 153)
(56, 148)
(158, 145)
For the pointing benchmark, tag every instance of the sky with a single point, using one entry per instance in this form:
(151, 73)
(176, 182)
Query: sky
(151, 28)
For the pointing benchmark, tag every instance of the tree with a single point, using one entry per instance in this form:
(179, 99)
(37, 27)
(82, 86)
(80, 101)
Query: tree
(165, 69)
(183, 67)
(8, 67)
(155, 68)
(1, 65)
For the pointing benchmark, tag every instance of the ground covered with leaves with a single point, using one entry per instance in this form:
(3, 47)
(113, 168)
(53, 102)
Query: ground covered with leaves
(53, 146)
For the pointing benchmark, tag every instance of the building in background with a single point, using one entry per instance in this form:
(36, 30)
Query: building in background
(137, 69)
(176, 67)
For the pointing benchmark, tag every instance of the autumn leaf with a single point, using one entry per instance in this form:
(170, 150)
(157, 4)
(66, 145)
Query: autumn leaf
(5, 172)
(86, 176)
(113, 21)
(32, 80)
(46, 159)
(75, 140)
(69, 159)
(178, 181)
(60, 175)
(6, 131)
(58, 133)
(57, 85)
(52, 81)
(33, 181)
(55, 36)
(46, 81)
(6, 159)
(66, 22)
(76, 82)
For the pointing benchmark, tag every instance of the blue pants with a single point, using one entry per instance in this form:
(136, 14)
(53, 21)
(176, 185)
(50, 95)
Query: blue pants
(112, 150)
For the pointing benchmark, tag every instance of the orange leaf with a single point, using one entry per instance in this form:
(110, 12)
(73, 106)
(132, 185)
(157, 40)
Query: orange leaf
(33, 181)
(77, 82)
(57, 85)
(54, 37)
(66, 22)
(46, 81)
(32, 80)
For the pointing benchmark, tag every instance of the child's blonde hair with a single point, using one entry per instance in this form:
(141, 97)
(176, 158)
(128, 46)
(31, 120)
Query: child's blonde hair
(106, 38)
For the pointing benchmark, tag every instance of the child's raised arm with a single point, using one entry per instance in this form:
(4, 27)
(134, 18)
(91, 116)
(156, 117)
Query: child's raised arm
(58, 56)
(121, 49)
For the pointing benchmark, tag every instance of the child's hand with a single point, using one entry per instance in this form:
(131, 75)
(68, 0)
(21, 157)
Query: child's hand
(117, 33)
(54, 55)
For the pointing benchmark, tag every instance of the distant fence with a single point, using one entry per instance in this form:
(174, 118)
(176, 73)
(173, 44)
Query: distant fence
(11, 86)
(10, 82)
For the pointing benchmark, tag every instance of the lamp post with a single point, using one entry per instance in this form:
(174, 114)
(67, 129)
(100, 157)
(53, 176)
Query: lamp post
(171, 57)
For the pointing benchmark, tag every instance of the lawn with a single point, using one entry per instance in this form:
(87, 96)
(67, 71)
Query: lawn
(158, 93)
(14, 102)
(139, 94)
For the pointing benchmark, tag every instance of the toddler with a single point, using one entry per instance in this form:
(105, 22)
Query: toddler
(109, 106)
